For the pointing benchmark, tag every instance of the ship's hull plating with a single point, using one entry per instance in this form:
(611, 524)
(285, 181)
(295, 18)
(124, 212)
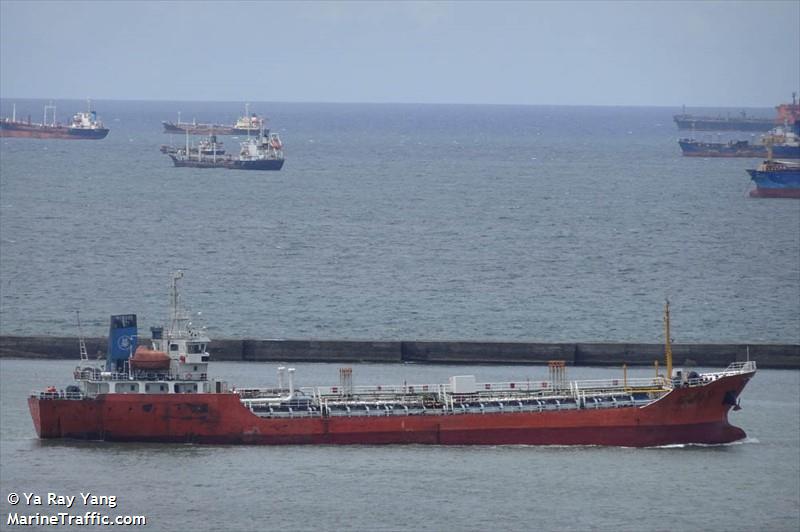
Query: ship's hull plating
(231, 164)
(683, 416)
(198, 129)
(32, 131)
(775, 184)
(699, 123)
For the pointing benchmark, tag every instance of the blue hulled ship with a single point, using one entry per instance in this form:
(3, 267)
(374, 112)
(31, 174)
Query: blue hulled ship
(783, 141)
(776, 179)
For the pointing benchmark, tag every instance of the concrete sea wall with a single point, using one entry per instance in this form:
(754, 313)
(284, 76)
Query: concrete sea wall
(777, 356)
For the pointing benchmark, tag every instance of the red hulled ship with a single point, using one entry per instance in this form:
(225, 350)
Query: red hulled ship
(82, 126)
(164, 394)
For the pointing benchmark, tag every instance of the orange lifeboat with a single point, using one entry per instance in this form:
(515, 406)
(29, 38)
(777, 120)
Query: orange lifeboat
(145, 358)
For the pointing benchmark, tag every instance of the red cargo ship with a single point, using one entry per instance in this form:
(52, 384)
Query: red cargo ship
(83, 126)
(163, 394)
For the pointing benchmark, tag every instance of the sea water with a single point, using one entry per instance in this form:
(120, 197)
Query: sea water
(404, 222)
(399, 222)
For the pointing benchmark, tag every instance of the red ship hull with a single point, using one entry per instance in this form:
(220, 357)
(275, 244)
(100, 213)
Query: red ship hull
(775, 193)
(50, 132)
(684, 415)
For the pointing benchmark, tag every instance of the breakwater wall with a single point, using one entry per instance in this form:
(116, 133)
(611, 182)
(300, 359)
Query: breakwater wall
(777, 356)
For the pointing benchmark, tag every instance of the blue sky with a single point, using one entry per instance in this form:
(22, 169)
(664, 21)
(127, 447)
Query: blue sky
(562, 53)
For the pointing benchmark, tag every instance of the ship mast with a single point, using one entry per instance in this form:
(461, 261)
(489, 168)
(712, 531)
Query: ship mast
(178, 319)
(768, 142)
(667, 341)
(52, 108)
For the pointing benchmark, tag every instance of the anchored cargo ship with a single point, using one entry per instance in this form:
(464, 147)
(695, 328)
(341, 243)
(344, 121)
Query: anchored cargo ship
(249, 124)
(784, 143)
(164, 393)
(83, 125)
(723, 123)
(776, 179)
(264, 152)
(785, 113)
(193, 128)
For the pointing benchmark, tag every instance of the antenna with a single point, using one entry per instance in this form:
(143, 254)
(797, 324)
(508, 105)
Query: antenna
(81, 341)
(667, 341)
(174, 294)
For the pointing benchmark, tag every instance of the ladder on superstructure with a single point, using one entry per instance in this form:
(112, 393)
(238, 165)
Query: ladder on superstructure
(81, 341)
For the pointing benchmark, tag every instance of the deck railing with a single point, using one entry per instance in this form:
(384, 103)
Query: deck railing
(60, 394)
(739, 367)
(95, 375)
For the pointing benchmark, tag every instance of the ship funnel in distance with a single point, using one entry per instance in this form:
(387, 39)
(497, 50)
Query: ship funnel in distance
(291, 382)
(281, 369)
(122, 338)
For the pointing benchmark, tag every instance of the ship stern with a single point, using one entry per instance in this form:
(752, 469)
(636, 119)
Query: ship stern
(36, 414)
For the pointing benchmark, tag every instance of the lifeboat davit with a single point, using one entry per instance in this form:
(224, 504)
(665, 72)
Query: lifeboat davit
(145, 358)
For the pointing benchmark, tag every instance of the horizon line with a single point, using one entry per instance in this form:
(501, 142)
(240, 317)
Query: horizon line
(512, 104)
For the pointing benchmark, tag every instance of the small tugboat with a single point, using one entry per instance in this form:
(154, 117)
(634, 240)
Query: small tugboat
(164, 393)
(84, 125)
(264, 152)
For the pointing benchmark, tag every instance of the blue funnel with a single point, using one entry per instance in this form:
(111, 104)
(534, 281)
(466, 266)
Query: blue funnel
(122, 337)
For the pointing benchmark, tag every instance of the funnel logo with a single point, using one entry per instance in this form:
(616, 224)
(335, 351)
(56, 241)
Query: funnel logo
(124, 342)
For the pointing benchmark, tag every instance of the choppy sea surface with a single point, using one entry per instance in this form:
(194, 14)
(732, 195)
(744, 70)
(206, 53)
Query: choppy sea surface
(399, 222)
(405, 222)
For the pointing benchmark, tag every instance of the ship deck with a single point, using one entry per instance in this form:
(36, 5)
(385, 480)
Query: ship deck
(498, 397)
